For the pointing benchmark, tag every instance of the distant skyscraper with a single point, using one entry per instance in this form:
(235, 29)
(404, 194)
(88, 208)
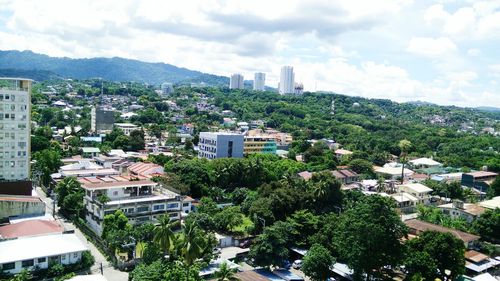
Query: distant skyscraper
(298, 89)
(236, 81)
(15, 129)
(259, 81)
(287, 81)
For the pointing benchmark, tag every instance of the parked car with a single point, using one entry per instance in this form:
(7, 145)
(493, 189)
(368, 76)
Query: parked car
(286, 264)
(297, 264)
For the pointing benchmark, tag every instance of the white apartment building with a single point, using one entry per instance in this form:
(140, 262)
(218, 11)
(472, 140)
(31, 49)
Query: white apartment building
(15, 108)
(236, 81)
(127, 128)
(139, 200)
(259, 81)
(220, 145)
(287, 81)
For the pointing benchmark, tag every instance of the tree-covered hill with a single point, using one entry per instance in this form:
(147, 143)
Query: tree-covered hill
(114, 69)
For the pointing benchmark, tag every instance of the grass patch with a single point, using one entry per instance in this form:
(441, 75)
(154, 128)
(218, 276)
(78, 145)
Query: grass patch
(242, 228)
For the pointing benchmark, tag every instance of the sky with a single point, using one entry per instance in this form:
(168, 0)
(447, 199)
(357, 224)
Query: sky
(446, 52)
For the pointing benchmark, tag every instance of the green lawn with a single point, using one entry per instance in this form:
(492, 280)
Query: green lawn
(247, 222)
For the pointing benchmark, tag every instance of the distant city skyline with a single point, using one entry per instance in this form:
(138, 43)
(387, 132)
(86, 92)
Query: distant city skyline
(444, 52)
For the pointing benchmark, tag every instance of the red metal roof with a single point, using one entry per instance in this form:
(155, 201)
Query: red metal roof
(30, 228)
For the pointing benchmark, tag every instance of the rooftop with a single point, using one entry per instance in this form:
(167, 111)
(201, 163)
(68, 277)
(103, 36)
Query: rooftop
(492, 203)
(39, 246)
(90, 150)
(417, 187)
(102, 184)
(426, 226)
(424, 161)
(472, 209)
(481, 174)
(20, 198)
(343, 151)
(29, 228)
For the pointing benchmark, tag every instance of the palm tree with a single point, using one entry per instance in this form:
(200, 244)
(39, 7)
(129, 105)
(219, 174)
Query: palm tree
(164, 236)
(404, 146)
(225, 273)
(192, 245)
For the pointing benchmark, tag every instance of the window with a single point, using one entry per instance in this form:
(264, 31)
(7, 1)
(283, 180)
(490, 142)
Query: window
(75, 255)
(185, 204)
(142, 209)
(115, 193)
(172, 205)
(41, 260)
(63, 257)
(173, 215)
(28, 263)
(9, 266)
(159, 207)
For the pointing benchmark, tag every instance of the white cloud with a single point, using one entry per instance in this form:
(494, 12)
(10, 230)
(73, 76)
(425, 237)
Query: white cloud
(365, 48)
(431, 47)
(474, 52)
(479, 21)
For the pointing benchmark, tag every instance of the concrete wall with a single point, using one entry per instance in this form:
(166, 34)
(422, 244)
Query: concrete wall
(19, 208)
(223, 146)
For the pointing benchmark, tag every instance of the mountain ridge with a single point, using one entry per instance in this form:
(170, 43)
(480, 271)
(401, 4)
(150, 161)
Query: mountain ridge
(114, 69)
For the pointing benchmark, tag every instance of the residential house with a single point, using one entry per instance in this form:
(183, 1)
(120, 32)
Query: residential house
(90, 152)
(135, 196)
(459, 209)
(424, 163)
(393, 172)
(405, 202)
(340, 153)
(418, 190)
(479, 180)
(39, 252)
(346, 176)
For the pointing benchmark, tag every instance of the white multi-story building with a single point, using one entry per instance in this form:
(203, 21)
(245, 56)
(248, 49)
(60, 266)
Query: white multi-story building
(287, 81)
(259, 81)
(15, 108)
(139, 200)
(127, 128)
(236, 81)
(220, 145)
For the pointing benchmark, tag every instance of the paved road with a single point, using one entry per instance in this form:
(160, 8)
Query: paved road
(110, 273)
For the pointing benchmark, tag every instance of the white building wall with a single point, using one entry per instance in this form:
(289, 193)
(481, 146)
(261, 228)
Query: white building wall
(259, 81)
(236, 81)
(287, 80)
(15, 129)
(68, 258)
